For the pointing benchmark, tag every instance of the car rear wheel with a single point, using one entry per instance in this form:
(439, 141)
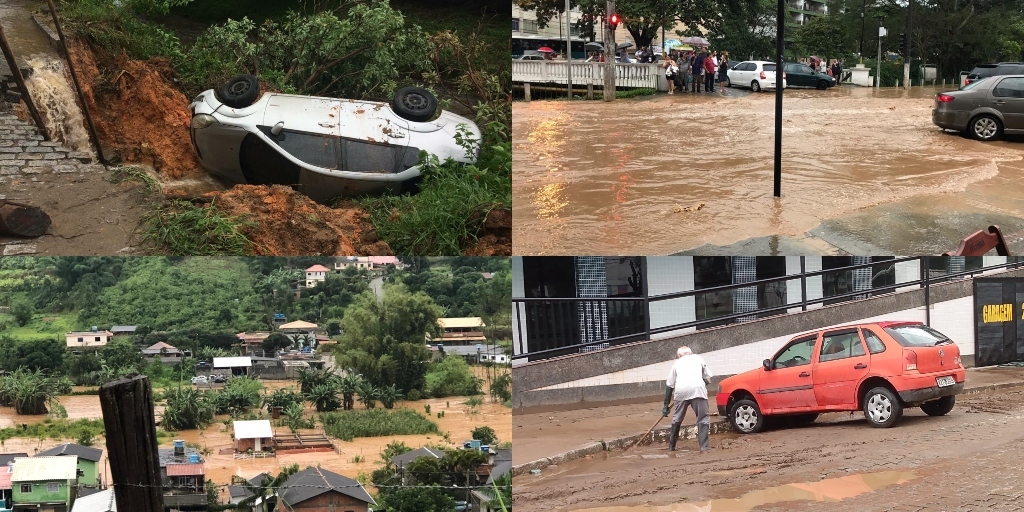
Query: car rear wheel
(940, 407)
(822, 85)
(755, 86)
(985, 127)
(746, 417)
(882, 408)
(728, 82)
(415, 104)
(240, 91)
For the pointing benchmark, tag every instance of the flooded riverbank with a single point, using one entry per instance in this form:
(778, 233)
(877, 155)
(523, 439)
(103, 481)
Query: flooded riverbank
(673, 173)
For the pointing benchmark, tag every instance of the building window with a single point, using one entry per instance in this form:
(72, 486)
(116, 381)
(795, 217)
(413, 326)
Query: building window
(25, 488)
(770, 295)
(81, 340)
(515, 24)
(52, 487)
(710, 272)
(529, 26)
(97, 339)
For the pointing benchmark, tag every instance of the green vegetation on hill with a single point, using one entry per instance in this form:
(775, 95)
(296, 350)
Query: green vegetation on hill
(348, 425)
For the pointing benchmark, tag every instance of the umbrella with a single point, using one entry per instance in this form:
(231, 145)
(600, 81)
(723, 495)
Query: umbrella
(624, 45)
(696, 41)
(545, 49)
(594, 47)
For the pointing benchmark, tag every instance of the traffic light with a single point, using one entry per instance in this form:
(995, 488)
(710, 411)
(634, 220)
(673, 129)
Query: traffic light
(613, 20)
(903, 44)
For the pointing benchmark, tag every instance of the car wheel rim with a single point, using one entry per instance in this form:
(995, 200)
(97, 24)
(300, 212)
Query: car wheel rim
(415, 101)
(879, 408)
(746, 418)
(239, 88)
(985, 128)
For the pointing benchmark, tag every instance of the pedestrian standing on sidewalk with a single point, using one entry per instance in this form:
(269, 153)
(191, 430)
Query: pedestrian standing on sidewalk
(837, 71)
(698, 72)
(687, 387)
(709, 74)
(723, 70)
(670, 75)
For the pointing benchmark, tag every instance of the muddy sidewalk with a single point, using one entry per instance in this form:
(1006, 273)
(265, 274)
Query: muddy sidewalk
(543, 434)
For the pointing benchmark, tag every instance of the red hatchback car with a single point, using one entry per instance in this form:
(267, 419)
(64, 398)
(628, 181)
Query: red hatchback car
(879, 368)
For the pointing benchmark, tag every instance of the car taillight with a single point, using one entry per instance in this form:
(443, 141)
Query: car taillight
(944, 98)
(762, 75)
(911, 359)
(956, 361)
(967, 81)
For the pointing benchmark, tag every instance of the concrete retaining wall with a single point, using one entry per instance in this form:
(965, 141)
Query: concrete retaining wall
(527, 379)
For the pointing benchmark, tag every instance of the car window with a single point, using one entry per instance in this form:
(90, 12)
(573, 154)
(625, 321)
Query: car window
(1012, 87)
(314, 149)
(769, 67)
(840, 345)
(875, 344)
(917, 336)
(974, 84)
(805, 69)
(374, 157)
(797, 353)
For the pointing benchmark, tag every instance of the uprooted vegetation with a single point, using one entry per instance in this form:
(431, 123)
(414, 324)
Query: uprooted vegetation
(139, 76)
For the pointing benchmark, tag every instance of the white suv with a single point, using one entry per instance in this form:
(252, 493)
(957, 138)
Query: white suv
(755, 74)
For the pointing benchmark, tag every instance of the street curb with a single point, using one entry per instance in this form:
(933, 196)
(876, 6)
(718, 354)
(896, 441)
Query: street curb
(620, 443)
(687, 432)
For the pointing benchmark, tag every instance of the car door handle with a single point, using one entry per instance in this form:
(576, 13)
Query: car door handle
(860, 366)
(805, 374)
(999, 102)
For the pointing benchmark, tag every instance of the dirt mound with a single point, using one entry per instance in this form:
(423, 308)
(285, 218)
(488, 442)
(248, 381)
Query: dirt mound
(289, 223)
(137, 111)
(496, 237)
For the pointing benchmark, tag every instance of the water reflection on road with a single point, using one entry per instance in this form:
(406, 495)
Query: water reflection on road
(670, 173)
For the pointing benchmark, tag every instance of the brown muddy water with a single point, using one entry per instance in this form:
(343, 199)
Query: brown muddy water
(671, 173)
(827, 490)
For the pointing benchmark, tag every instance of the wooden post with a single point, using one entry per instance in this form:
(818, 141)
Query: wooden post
(22, 220)
(526, 90)
(16, 71)
(590, 90)
(78, 87)
(130, 424)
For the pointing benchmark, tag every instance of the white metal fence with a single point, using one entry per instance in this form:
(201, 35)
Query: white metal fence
(627, 76)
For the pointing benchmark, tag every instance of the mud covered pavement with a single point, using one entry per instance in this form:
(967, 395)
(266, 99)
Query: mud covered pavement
(864, 172)
(967, 460)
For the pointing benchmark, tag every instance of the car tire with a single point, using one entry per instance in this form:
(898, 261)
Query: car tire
(728, 82)
(822, 85)
(940, 407)
(755, 86)
(746, 417)
(239, 92)
(882, 408)
(414, 104)
(985, 128)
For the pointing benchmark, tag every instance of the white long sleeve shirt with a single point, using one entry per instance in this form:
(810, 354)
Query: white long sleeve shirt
(687, 377)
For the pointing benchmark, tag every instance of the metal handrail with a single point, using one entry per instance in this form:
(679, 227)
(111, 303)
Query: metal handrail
(924, 281)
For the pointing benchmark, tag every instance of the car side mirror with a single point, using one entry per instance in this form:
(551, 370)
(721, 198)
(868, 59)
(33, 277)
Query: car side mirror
(767, 363)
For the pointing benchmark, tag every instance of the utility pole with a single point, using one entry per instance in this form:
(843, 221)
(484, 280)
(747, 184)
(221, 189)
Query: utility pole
(878, 63)
(609, 53)
(863, 15)
(908, 58)
(780, 47)
(568, 46)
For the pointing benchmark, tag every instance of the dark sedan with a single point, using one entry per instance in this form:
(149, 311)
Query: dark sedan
(801, 75)
(985, 108)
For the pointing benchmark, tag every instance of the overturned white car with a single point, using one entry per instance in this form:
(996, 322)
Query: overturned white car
(325, 148)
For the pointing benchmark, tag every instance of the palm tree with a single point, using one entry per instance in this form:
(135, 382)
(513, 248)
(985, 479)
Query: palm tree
(368, 394)
(266, 491)
(29, 392)
(350, 385)
(324, 397)
(389, 395)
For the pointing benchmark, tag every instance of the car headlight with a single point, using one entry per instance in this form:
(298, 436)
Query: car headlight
(202, 121)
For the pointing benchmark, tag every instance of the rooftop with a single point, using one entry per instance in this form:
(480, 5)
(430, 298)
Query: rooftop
(253, 429)
(407, 457)
(5, 458)
(232, 362)
(298, 324)
(157, 347)
(167, 456)
(452, 323)
(41, 469)
(83, 452)
(102, 501)
(187, 469)
(312, 482)
(318, 268)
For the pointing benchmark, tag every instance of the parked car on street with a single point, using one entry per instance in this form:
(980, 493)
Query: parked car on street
(462, 506)
(801, 75)
(879, 368)
(755, 74)
(325, 147)
(200, 379)
(985, 108)
(997, 69)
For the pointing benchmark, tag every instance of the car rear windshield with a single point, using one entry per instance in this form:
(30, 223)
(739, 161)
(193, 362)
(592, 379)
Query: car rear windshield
(917, 336)
(769, 67)
(974, 84)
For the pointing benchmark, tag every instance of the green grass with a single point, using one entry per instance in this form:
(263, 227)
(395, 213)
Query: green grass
(42, 327)
(182, 228)
(348, 425)
(634, 93)
(123, 173)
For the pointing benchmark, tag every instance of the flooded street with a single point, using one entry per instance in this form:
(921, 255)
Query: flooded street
(693, 173)
(966, 460)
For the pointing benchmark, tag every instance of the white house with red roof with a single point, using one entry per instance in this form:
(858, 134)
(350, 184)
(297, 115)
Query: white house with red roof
(316, 274)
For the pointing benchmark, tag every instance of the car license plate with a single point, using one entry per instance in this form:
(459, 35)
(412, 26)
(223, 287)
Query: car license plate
(944, 381)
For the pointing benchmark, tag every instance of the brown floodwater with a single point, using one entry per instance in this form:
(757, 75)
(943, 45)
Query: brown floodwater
(830, 489)
(24, 36)
(670, 173)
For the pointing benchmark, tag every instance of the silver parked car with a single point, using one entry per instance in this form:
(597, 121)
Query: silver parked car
(985, 108)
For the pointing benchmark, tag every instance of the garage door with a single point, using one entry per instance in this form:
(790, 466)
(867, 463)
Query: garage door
(999, 328)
